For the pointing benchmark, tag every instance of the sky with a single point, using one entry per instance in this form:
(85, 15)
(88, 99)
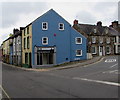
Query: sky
(19, 13)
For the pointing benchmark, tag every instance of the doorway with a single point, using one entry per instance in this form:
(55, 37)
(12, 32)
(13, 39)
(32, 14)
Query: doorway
(45, 57)
(100, 50)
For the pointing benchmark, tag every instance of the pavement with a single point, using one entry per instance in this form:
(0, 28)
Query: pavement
(95, 80)
(64, 66)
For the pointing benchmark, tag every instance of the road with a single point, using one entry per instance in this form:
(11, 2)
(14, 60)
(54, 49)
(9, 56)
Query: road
(99, 80)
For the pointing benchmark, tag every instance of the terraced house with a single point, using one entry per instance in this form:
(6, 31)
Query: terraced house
(101, 39)
(6, 50)
(50, 40)
(16, 47)
(27, 46)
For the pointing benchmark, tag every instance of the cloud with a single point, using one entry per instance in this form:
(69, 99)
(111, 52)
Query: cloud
(85, 17)
(12, 10)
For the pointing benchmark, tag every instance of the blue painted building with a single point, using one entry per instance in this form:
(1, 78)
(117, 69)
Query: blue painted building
(54, 41)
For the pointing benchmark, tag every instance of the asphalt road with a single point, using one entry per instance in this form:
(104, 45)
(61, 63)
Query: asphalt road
(99, 80)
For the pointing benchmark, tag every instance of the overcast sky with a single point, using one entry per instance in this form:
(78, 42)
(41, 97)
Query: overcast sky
(19, 13)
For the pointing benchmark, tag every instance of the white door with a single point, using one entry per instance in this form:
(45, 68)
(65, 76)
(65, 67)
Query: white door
(100, 50)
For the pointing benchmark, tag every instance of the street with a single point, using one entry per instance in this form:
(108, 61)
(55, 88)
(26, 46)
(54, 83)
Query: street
(98, 80)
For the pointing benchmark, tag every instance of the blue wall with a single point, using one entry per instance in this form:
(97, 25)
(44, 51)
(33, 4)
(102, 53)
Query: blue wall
(64, 40)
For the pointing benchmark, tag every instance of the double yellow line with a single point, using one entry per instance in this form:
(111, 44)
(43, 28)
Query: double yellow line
(5, 92)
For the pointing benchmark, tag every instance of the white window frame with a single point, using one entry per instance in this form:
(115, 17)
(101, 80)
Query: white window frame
(77, 54)
(101, 39)
(109, 50)
(46, 26)
(59, 26)
(78, 42)
(108, 41)
(93, 39)
(46, 41)
(95, 50)
(95, 30)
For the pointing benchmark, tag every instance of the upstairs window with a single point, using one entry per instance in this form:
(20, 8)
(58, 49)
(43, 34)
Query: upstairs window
(78, 40)
(61, 26)
(101, 39)
(44, 26)
(45, 40)
(28, 44)
(28, 30)
(108, 40)
(95, 30)
(78, 52)
(24, 43)
(93, 39)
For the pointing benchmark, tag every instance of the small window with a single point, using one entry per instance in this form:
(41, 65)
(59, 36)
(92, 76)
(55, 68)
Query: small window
(106, 31)
(45, 40)
(101, 39)
(28, 45)
(24, 32)
(108, 49)
(24, 43)
(78, 40)
(93, 39)
(93, 49)
(108, 40)
(95, 31)
(61, 26)
(78, 52)
(44, 26)
(28, 30)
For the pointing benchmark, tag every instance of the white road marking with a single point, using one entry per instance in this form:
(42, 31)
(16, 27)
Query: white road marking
(5, 92)
(114, 65)
(110, 60)
(97, 81)
(111, 71)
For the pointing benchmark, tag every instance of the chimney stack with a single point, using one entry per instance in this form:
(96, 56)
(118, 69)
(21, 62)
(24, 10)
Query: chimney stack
(75, 22)
(115, 24)
(99, 23)
(15, 31)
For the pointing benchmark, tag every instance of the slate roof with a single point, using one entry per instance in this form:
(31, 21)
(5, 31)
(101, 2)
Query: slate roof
(100, 30)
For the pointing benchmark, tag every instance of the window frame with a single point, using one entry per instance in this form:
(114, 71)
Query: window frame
(101, 39)
(28, 42)
(77, 53)
(107, 40)
(43, 26)
(95, 50)
(93, 39)
(43, 41)
(77, 41)
(109, 50)
(63, 27)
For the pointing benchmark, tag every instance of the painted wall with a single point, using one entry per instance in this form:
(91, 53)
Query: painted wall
(30, 42)
(63, 40)
(75, 46)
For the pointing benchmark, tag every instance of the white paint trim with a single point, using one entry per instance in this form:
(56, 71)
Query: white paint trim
(46, 41)
(59, 26)
(46, 26)
(76, 40)
(76, 52)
